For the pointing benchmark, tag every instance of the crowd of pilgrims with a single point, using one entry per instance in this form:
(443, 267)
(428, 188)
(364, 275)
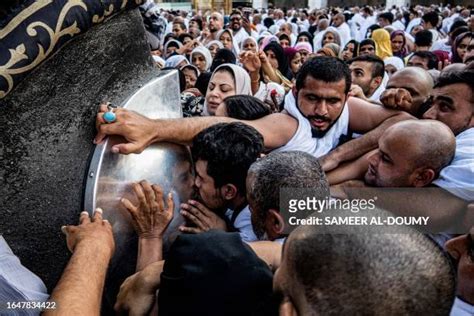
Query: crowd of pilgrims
(341, 101)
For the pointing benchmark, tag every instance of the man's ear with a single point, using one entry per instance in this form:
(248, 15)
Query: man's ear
(423, 177)
(375, 83)
(229, 191)
(274, 224)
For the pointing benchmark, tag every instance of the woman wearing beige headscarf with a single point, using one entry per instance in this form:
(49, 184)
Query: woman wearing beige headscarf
(383, 45)
(226, 80)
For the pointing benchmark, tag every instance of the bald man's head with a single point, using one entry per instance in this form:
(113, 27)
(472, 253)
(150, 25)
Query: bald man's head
(350, 274)
(323, 24)
(216, 22)
(338, 19)
(411, 154)
(418, 82)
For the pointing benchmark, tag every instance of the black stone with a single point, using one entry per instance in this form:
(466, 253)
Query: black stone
(46, 132)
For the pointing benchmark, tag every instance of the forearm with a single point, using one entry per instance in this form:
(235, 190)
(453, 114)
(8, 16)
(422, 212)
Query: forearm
(79, 291)
(150, 250)
(367, 142)
(270, 72)
(354, 170)
(183, 130)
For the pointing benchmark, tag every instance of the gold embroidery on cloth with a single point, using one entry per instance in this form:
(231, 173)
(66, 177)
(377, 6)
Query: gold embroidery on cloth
(6, 71)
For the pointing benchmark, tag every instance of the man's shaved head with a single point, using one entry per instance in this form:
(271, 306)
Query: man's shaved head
(364, 273)
(417, 81)
(411, 154)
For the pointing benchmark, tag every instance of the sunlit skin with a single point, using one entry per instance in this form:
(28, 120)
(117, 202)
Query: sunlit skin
(390, 70)
(296, 63)
(462, 47)
(348, 52)
(397, 43)
(284, 43)
(272, 58)
(417, 61)
(221, 86)
(226, 40)
(303, 39)
(361, 73)
(249, 45)
(367, 49)
(191, 78)
(304, 55)
(199, 61)
(205, 186)
(418, 89)
(452, 105)
(322, 102)
(213, 49)
(390, 165)
(328, 38)
(215, 23)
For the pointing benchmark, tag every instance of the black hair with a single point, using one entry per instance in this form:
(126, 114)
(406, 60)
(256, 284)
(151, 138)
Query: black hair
(432, 59)
(452, 77)
(456, 24)
(356, 47)
(458, 31)
(245, 107)
(308, 35)
(371, 29)
(431, 17)
(283, 66)
(198, 21)
(169, 37)
(387, 16)
(324, 68)
(182, 78)
(378, 66)
(183, 36)
(368, 41)
(202, 82)
(267, 22)
(181, 25)
(223, 56)
(229, 149)
(424, 38)
(284, 36)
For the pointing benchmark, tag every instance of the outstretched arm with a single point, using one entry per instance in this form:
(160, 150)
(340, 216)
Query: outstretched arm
(368, 119)
(353, 170)
(140, 131)
(79, 291)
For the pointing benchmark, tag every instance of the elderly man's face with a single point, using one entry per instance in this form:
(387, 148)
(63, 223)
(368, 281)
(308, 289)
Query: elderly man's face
(452, 105)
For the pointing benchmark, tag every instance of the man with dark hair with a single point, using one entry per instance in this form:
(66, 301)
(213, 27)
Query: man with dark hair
(293, 169)
(430, 22)
(351, 274)
(178, 28)
(367, 47)
(423, 40)
(240, 27)
(385, 19)
(315, 119)
(423, 59)
(367, 77)
(222, 155)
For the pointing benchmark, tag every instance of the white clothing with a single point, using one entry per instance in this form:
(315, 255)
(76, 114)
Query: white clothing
(303, 139)
(317, 40)
(398, 25)
(243, 224)
(412, 24)
(461, 308)
(378, 92)
(344, 33)
(441, 45)
(458, 177)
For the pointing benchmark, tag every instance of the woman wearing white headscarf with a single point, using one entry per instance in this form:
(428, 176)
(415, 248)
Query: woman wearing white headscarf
(227, 80)
(393, 64)
(227, 39)
(249, 44)
(167, 51)
(214, 46)
(201, 58)
(176, 61)
(331, 35)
